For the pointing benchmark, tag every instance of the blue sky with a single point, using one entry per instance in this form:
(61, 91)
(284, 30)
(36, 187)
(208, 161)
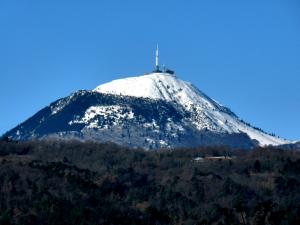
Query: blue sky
(244, 54)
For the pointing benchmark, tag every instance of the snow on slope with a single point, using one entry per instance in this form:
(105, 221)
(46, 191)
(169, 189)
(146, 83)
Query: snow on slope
(90, 118)
(208, 114)
(156, 86)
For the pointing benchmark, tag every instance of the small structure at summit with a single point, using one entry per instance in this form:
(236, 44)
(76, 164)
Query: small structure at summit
(157, 67)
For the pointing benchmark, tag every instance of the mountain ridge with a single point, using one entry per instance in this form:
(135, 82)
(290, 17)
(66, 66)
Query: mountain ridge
(153, 86)
(151, 111)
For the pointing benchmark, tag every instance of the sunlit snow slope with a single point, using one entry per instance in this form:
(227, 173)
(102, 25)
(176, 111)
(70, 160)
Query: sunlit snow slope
(207, 113)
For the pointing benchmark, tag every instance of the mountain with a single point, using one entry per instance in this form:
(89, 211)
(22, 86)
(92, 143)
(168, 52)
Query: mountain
(295, 145)
(155, 110)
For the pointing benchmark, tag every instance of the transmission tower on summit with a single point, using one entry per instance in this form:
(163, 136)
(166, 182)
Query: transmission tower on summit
(156, 60)
(157, 69)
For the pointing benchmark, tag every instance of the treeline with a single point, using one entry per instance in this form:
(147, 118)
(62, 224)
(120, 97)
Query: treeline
(71, 182)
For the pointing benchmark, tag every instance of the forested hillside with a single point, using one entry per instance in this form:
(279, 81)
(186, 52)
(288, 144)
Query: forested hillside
(56, 182)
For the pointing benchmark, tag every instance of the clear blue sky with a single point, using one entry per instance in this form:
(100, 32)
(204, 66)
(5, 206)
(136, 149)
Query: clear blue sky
(245, 54)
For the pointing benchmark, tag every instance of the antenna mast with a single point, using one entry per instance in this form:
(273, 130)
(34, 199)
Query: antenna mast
(156, 59)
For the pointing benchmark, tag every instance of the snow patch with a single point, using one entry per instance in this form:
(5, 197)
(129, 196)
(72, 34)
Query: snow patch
(115, 112)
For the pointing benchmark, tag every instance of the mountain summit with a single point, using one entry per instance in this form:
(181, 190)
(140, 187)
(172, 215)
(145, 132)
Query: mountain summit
(206, 113)
(152, 111)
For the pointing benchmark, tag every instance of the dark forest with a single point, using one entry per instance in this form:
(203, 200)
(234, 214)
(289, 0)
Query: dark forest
(72, 182)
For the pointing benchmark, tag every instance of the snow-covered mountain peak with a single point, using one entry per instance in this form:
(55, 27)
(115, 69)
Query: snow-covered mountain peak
(162, 86)
(147, 86)
(153, 111)
(207, 113)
